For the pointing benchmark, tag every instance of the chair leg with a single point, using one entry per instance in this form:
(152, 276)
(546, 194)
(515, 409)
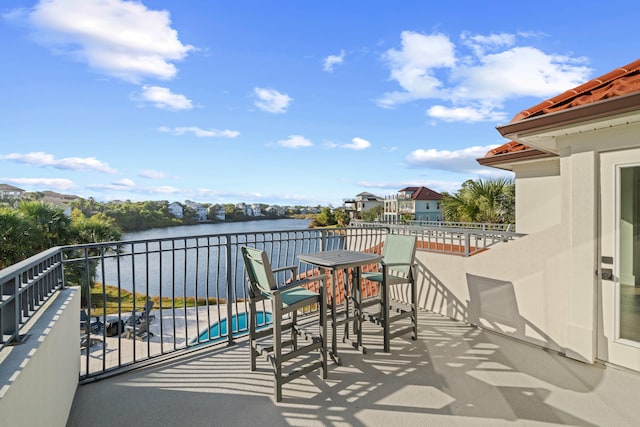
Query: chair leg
(323, 330)
(277, 351)
(252, 335)
(414, 308)
(385, 319)
(294, 331)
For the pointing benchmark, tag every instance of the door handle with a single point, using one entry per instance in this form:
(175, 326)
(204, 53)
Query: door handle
(606, 274)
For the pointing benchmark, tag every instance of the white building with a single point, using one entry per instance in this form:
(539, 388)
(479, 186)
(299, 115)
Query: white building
(176, 209)
(571, 283)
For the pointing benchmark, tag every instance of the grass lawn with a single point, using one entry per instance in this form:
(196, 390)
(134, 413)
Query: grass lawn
(107, 297)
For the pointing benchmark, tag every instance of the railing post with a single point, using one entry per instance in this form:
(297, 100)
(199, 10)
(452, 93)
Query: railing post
(467, 243)
(229, 292)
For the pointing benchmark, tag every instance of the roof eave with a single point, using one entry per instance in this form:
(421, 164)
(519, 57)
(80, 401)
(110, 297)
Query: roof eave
(505, 161)
(606, 108)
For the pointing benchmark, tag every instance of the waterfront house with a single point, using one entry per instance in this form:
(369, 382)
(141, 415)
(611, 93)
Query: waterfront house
(10, 192)
(362, 202)
(176, 209)
(200, 210)
(413, 203)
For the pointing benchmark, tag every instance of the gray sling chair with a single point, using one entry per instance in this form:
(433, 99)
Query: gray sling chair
(286, 299)
(396, 267)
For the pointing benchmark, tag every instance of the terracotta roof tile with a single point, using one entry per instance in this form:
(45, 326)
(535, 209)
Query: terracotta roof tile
(422, 193)
(621, 81)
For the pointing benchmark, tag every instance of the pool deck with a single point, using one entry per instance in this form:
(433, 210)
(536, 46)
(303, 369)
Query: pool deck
(453, 375)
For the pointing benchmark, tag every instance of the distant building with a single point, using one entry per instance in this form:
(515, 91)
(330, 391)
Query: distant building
(10, 192)
(361, 203)
(200, 210)
(218, 211)
(176, 210)
(257, 210)
(416, 203)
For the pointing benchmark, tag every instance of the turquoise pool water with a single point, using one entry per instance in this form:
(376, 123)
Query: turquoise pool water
(239, 324)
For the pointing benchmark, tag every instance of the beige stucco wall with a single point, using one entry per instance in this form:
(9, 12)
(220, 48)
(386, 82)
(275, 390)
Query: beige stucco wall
(518, 288)
(538, 197)
(38, 379)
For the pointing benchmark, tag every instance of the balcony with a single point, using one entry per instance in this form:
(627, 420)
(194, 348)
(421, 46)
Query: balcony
(510, 369)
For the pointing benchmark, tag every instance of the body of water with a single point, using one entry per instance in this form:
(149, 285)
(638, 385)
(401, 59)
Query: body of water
(218, 228)
(194, 266)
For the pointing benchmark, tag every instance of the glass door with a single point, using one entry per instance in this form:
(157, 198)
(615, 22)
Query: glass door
(619, 290)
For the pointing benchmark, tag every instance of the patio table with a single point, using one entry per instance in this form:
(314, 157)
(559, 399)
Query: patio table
(331, 262)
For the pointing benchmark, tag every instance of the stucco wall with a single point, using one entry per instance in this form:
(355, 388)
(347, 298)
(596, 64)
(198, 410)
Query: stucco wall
(538, 198)
(38, 379)
(519, 288)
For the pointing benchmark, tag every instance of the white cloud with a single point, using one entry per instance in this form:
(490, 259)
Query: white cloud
(463, 160)
(70, 163)
(466, 114)
(200, 133)
(332, 60)
(163, 98)
(295, 141)
(271, 100)
(59, 184)
(119, 186)
(477, 75)
(125, 182)
(357, 144)
(123, 39)
(152, 174)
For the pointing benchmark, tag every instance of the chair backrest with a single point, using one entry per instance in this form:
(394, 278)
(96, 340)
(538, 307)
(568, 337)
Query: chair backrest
(148, 306)
(259, 271)
(399, 249)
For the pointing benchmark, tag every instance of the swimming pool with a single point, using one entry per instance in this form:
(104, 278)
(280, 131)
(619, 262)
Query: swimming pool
(239, 325)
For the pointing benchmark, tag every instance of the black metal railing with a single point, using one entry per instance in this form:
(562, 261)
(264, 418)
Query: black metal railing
(25, 287)
(455, 238)
(197, 286)
(154, 298)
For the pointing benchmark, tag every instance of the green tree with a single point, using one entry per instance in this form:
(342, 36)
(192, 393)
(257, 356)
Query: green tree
(341, 217)
(15, 237)
(50, 226)
(491, 201)
(326, 218)
(372, 214)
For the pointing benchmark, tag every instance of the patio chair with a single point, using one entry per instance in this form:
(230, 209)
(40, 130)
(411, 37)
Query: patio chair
(285, 300)
(87, 328)
(137, 325)
(396, 268)
(90, 326)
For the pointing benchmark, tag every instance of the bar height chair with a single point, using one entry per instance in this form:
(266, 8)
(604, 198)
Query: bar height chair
(397, 267)
(285, 300)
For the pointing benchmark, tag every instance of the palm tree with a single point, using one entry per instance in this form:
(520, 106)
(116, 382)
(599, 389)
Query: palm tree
(491, 200)
(50, 224)
(15, 237)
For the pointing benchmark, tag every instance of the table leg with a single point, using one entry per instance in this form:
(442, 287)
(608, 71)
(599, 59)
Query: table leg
(334, 325)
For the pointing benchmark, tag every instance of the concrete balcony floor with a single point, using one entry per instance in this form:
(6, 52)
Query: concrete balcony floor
(454, 374)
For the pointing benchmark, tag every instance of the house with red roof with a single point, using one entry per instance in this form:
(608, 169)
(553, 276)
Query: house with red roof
(572, 283)
(414, 203)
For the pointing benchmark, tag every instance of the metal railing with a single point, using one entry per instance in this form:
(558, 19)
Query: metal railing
(197, 285)
(449, 238)
(440, 224)
(25, 287)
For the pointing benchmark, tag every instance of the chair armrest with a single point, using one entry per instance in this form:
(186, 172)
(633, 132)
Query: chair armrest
(293, 268)
(298, 283)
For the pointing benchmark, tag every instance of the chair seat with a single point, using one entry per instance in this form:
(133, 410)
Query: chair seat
(296, 295)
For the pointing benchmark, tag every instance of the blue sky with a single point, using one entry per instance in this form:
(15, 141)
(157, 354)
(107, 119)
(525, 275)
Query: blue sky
(281, 102)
